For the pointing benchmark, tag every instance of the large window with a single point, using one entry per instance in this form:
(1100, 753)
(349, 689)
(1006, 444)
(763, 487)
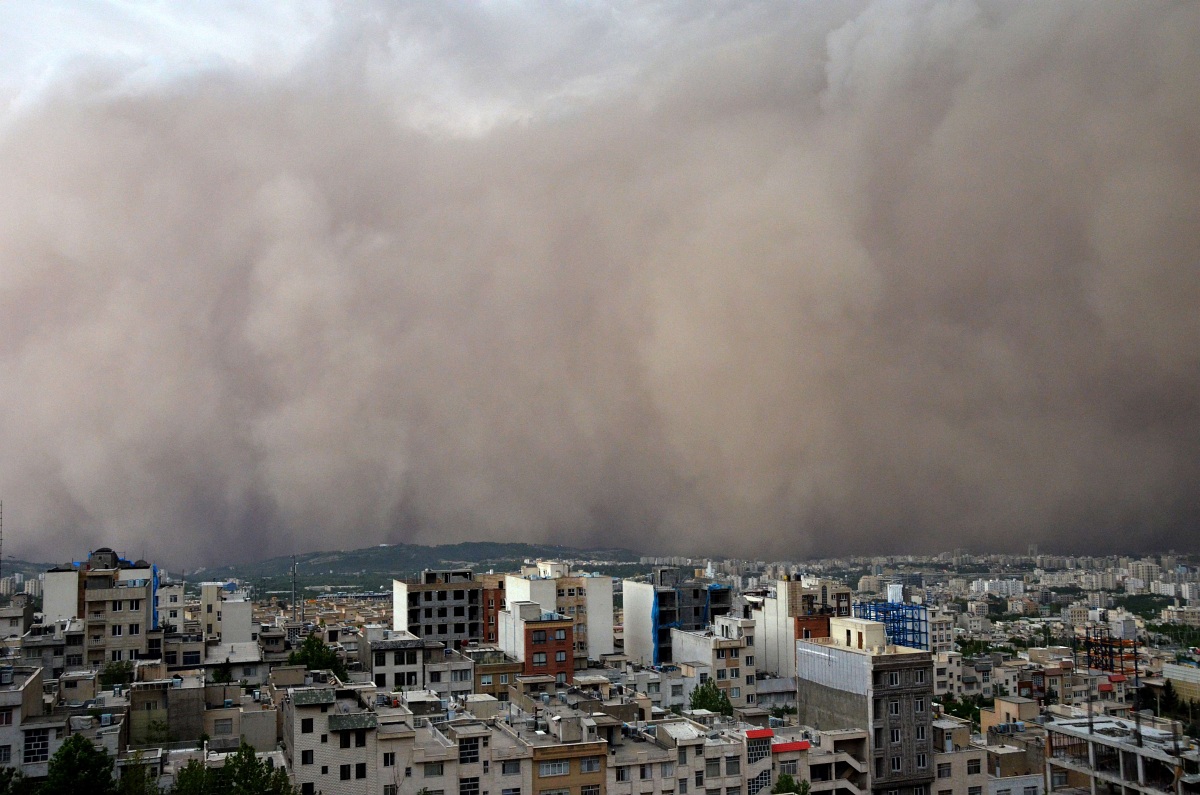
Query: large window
(944, 770)
(433, 769)
(559, 768)
(539, 658)
(468, 786)
(589, 764)
(973, 767)
(37, 746)
(733, 766)
(510, 767)
(468, 750)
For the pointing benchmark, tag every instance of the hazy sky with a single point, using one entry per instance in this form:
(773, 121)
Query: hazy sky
(753, 279)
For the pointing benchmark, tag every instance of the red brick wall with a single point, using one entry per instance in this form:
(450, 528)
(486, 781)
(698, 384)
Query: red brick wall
(551, 647)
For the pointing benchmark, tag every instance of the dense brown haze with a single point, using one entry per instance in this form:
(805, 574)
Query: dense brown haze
(760, 279)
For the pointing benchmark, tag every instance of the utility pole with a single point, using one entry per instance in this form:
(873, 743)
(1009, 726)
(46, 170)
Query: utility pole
(293, 589)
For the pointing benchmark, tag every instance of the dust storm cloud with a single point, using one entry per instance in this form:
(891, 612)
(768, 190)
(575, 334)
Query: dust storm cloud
(763, 279)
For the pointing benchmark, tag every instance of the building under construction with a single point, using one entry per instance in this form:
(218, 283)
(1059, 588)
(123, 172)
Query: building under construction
(904, 624)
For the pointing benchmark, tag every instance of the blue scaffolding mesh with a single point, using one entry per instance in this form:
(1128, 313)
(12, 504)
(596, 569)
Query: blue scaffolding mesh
(904, 624)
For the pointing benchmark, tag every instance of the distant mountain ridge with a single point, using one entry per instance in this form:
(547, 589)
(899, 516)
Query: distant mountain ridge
(405, 559)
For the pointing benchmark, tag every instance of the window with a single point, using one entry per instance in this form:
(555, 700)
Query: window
(667, 769)
(391, 789)
(895, 736)
(683, 785)
(485, 679)
(560, 656)
(977, 790)
(1030, 791)
(734, 673)
(973, 768)
(560, 768)
(6, 716)
(647, 772)
(722, 673)
(712, 767)
(922, 761)
(345, 739)
(895, 764)
(37, 746)
(5, 754)
(757, 750)
(344, 772)
(919, 676)
(308, 788)
(539, 636)
(306, 757)
(116, 655)
(468, 750)
(360, 770)
(435, 676)
(389, 759)
(433, 769)
(735, 692)
(893, 707)
(135, 629)
(117, 630)
(699, 778)
(539, 658)
(622, 774)
(733, 766)
(589, 764)
(118, 606)
(510, 767)
(749, 660)
(223, 726)
(733, 791)
(944, 770)
(503, 679)
(677, 691)
(893, 678)
(560, 634)
(589, 789)
(920, 732)
(790, 766)
(919, 705)
(511, 791)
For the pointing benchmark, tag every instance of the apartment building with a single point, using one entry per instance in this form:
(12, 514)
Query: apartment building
(443, 606)
(586, 598)
(853, 679)
(542, 641)
(652, 609)
(494, 671)
(225, 613)
(959, 766)
(728, 647)
(393, 659)
(28, 737)
(56, 647)
(790, 611)
(493, 601)
(330, 738)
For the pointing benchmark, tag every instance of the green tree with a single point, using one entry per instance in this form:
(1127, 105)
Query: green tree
(12, 781)
(243, 774)
(137, 779)
(78, 766)
(1169, 700)
(314, 655)
(710, 697)
(787, 783)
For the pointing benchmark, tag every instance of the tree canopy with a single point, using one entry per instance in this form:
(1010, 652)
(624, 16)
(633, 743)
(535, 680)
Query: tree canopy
(788, 783)
(79, 766)
(314, 655)
(708, 696)
(243, 774)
